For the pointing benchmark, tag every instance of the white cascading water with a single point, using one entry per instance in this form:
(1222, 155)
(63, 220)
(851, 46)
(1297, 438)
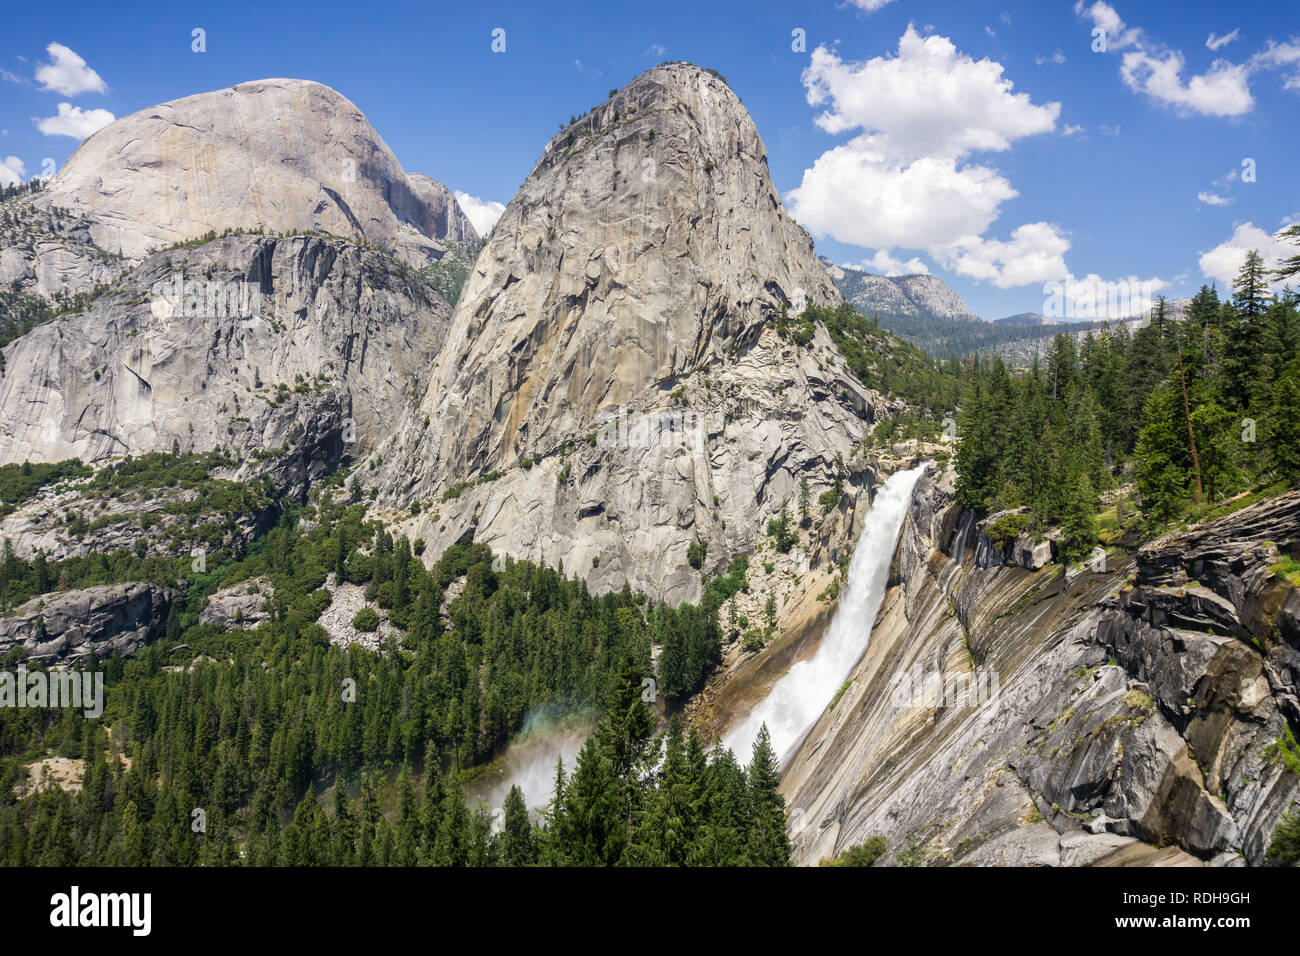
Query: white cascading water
(799, 697)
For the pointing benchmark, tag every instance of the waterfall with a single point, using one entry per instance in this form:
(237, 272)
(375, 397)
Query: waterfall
(799, 697)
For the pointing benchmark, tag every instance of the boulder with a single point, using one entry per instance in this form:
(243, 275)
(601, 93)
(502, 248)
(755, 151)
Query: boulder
(107, 618)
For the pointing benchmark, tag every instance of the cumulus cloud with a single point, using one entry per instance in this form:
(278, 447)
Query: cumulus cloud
(856, 195)
(67, 73)
(1213, 199)
(12, 171)
(483, 213)
(1058, 57)
(885, 264)
(1068, 130)
(1224, 261)
(905, 181)
(929, 100)
(74, 121)
(1034, 254)
(1092, 297)
(871, 6)
(1214, 41)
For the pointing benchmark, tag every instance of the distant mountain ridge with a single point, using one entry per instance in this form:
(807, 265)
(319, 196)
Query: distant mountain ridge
(916, 296)
(927, 312)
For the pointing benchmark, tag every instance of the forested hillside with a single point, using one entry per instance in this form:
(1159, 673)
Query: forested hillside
(1175, 419)
(263, 730)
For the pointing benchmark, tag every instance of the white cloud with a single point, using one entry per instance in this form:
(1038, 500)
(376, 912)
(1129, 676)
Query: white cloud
(12, 171)
(655, 49)
(1156, 70)
(1069, 130)
(1034, 254)
(1223, 90)
(885, 264)
(929, 100)
(67, 73)
(1118, 34)
(858, 196)
(871, 6)
(1213, 199)
(483, 213)
(12, 78)
(1277, 55)
(74, 121)
(904, 181)
(1058, 58)
(1214, 41)
(1224, 261)
(1092, 297)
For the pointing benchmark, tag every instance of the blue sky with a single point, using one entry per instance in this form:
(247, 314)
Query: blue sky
(988, 143)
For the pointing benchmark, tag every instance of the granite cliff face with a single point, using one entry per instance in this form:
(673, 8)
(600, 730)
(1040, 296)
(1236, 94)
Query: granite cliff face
(106, 619)
(277, 154)
(252, 344)
(611, 388)
(1131, 709)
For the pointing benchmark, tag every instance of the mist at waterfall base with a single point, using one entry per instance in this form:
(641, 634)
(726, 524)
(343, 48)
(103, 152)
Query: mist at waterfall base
(799, 697)
(550, 733)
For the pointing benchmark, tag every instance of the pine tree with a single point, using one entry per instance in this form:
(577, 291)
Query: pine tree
(1284, 459)
(1249, 339)
(1080, 528)
(518, 848)
(724, 830)
(345, 829)
(452, 847)
(1289, 267)
(666, 834)
(556, 837)
(605, 798)
(768, 843)
(1162, 458)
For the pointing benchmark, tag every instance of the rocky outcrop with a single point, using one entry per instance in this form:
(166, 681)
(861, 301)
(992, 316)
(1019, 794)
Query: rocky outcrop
(241, 606)
(278, 154)
(50, 253)
(75, 518)
(103, 620)
(1008, 716)
(612, 390)
(302, 350)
